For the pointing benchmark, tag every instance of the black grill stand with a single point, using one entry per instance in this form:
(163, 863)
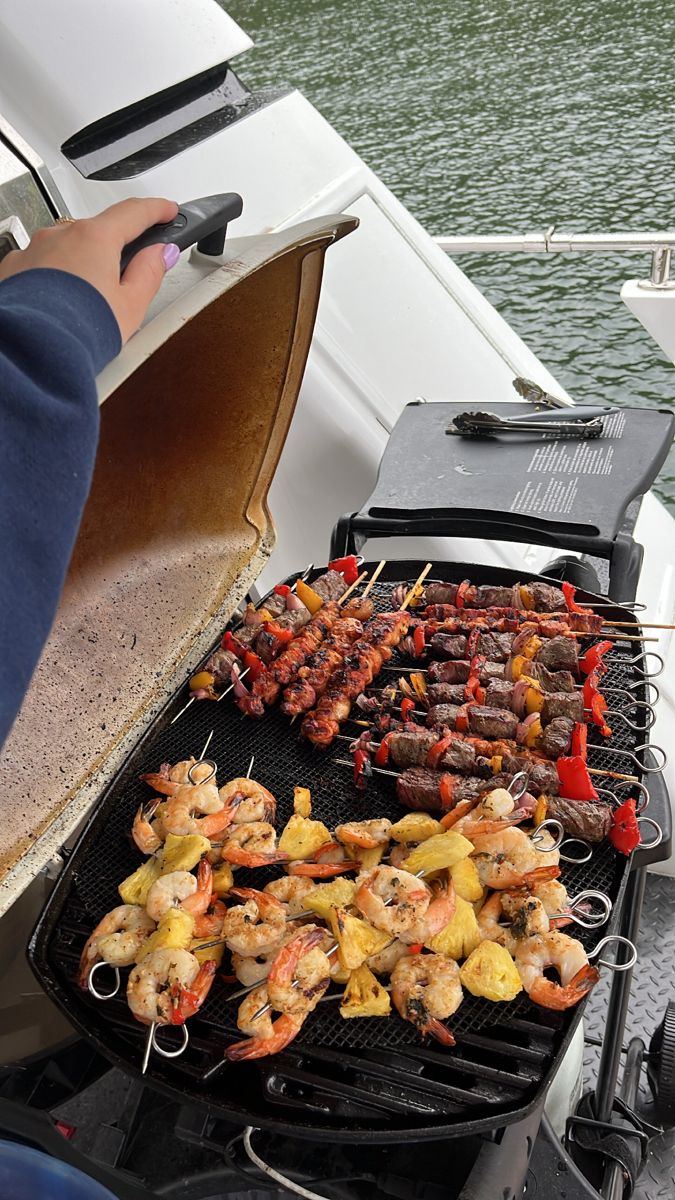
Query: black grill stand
(434, 484)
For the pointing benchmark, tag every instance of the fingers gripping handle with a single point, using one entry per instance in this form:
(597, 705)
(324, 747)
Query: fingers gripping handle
(203, 221)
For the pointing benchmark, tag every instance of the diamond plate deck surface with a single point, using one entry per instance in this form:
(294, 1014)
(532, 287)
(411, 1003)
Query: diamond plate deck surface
(653, 986)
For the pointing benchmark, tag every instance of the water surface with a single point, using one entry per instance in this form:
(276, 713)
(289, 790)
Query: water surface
(507, 116)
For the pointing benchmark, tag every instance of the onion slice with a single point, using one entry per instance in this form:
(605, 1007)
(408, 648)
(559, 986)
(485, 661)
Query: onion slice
(522, 730)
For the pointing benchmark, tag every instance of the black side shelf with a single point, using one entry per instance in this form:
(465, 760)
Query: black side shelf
(570, 494)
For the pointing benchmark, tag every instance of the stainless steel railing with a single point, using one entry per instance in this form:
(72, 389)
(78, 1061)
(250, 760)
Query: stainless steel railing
(660, 245)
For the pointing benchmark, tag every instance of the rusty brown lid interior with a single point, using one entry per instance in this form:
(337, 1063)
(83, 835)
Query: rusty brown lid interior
(176, 528)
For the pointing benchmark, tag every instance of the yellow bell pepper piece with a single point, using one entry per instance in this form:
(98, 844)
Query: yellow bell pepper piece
(540, 810)
(309, 597)
(441, 850)
(364, 996)
(532, 646)
(533, 734)
(534, 698)
(134, 889)
(490, 971)
(203, 679)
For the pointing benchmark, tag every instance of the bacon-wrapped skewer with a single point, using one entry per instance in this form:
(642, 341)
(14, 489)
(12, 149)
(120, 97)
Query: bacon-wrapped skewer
(303, 692)
(359, 668)
(269, 683)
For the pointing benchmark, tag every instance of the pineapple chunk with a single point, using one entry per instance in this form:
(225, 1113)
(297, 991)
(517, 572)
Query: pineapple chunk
(415, 827)
(441, 850)
(173, 932)
(491, 972)
(368, 858)
(212, 953)
(356, 939)
(338, 893)
(183, 853)
(302, 837)
(222, 879)
(302, 802)
(464, 876)
(364, 996)
(461, 936)
(134, 889)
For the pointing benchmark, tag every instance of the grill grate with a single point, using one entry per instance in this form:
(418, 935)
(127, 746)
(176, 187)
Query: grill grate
(339, 1075)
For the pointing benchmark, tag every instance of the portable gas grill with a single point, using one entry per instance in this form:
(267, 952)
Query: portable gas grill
(168, 548)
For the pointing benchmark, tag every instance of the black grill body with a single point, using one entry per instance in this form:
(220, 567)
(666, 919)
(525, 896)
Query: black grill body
(351, 1081)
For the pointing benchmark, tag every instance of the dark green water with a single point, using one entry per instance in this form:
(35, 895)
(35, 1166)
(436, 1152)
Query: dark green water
(505, 116)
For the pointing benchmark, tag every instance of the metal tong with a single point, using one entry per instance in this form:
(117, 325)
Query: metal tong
(583, 422)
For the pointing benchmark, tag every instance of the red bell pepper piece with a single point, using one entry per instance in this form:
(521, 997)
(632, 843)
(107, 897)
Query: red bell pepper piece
(462, 719)
(580, 740)
(437, 751)
(360, 760)
(625, 832)
(382, 755)
(569, 592)
(595, 703)
(283, 636)
(407, 707)
(419, 641)
(416, 947)
(472, 642)
(254, 665)
(575, 782)
(348, 567)
(282, 589)
(462, 590)
(592, 660)
(446, 787)
(229, 642)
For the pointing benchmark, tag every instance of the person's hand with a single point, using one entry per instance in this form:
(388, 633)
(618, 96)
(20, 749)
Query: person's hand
(91, 249)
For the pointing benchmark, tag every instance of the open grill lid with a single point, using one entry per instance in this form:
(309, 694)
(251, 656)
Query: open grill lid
(176, 529)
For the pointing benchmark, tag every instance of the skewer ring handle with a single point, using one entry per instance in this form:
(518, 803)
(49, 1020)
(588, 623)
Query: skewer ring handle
(91, 987)
(161, 1050)
(594, 918)
(615, 966)
(655, 751)
(555, 828)
(638, 787)
(651, 718)
(203, 762)
(518, 785)
(585, 855)
(642, 658)
(659, 833)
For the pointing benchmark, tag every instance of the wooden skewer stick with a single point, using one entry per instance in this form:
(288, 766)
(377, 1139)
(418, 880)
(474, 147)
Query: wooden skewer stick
(416, 584)
(633, 624)
(374, 577)
(617, 637)
(352, 586)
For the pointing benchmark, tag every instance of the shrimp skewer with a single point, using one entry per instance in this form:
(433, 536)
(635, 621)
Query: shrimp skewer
(567, 955)
(116, 939)
(253, 845)
(168, 986)
(425, 989)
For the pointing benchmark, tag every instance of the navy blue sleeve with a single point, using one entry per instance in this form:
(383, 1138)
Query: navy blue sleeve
(56, 333)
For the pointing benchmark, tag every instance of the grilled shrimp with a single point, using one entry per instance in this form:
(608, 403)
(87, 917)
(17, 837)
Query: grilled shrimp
(116, 939)
(439, 914)
(391, 899)
(535, 954)
(251, 800)
(384, 962)
(526, 914)
(148, 834)
(291, 890)
(253, 844)
(324, 863)
(168, 779)
(508, 860)
(256, 926)
(300, 974)
(267, 1036)
(197, 809)
(168, 986)
(425, 989)
(366, 834)
(180, 889)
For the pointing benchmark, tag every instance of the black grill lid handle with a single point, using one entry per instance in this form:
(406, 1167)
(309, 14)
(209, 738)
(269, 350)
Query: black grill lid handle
(203, 221)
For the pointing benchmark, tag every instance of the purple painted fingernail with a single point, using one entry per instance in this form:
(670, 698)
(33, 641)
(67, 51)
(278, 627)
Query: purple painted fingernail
(170, 254)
